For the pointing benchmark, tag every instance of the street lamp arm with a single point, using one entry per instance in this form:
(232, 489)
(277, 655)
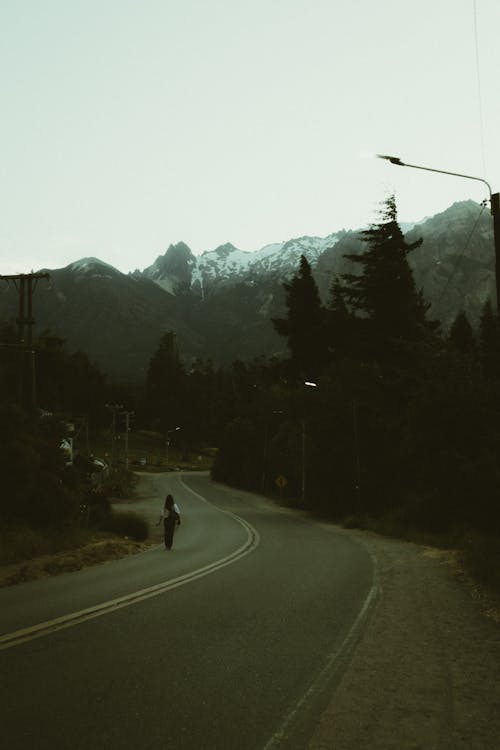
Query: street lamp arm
(494, 203)
(397, 161)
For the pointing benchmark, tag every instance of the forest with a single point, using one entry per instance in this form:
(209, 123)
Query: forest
(376, 415)
(401, 421)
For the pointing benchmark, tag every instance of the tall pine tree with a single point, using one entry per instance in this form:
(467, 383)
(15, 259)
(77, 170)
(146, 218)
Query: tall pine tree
(303, 325)
(489, 342)
(384, 294)
(166, 384)
(339, 322)
(461, 335)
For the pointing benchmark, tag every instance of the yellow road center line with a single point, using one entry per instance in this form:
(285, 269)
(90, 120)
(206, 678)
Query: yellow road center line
(75, 618)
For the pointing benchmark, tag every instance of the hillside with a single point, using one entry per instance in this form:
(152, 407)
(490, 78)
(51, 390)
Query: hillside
(221, 303)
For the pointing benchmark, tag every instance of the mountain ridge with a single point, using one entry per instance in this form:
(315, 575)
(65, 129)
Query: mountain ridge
(221, 302)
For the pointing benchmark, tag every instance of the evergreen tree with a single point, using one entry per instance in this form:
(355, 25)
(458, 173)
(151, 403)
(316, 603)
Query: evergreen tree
(36, 485)
(385, 293)
(166, 384)
(489, 342)
(304, 324)
(461, 336)
(339, 322)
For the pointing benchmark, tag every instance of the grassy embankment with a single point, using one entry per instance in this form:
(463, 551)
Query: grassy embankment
(98, 534)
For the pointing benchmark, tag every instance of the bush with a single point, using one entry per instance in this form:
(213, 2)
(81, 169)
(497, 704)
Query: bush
(95, 508)
(482, 558)
(120, 483)
(127, 524)
(19, 543)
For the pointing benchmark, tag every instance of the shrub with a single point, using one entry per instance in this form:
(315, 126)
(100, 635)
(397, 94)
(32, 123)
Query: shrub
(19, 543)
(120, 483)
(482, 558)
(127, 524)
(95, 508)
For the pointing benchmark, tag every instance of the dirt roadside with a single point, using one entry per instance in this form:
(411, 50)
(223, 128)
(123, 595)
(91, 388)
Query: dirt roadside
(426, 674)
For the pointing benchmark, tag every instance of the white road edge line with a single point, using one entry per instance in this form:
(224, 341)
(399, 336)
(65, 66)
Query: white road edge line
(9, 640)
(330, 667)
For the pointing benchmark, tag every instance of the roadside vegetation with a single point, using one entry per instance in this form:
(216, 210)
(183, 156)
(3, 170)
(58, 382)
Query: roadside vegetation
(477, 553)
(377, 418)
(68, 461)
(400, 431)
(47, 506)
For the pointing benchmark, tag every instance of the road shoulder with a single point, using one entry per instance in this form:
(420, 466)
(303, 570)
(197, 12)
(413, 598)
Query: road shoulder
(427, 671)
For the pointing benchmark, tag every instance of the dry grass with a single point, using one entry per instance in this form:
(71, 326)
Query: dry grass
(95, 552)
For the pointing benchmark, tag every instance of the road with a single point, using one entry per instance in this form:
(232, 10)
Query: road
(234, 639)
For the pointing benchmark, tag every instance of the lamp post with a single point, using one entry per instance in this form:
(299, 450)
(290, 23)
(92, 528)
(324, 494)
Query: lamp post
(494, 205)
(308, 384)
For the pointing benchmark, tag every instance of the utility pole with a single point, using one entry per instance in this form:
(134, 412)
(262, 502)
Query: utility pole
(25, 285)
(113, 408)
(495, 212)
(167, 442)
(127, 415)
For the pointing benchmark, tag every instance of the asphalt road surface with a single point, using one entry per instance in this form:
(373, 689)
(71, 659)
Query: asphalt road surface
(234, 639)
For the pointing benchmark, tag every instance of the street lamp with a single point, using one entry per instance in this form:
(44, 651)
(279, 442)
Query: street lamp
(167, 441)
(308, 384)
(494, 204)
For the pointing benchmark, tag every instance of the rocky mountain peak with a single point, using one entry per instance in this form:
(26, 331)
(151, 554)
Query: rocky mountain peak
(91, 268)
(223, 251)
(171, 269)
(229, 296)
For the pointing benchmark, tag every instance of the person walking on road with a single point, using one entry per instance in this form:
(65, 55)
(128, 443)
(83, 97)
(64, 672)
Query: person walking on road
(171, 517)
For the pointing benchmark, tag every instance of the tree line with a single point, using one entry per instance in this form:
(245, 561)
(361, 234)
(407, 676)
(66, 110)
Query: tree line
(401, 419)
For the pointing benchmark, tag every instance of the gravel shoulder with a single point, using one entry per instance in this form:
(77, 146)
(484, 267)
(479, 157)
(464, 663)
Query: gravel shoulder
(426, 674)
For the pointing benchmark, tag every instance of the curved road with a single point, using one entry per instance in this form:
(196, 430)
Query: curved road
(234, 639)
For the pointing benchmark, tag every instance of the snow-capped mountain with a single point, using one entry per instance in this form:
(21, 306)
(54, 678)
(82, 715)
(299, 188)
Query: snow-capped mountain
(92, 268)
(222, 302)
(180, 268)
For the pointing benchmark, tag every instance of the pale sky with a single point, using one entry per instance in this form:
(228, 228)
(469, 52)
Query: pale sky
(127, 125)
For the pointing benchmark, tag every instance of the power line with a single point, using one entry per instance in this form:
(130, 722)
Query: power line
(479, 94)
(462, 253)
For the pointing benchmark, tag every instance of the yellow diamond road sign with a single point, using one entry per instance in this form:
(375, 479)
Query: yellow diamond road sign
(281, 481)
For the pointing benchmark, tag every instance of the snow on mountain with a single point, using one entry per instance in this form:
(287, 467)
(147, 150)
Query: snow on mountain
(92, 267)
(228, 264)
(88, 264)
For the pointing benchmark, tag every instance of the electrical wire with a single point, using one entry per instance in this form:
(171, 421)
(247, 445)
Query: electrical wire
(462, 254)
(479, 93)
